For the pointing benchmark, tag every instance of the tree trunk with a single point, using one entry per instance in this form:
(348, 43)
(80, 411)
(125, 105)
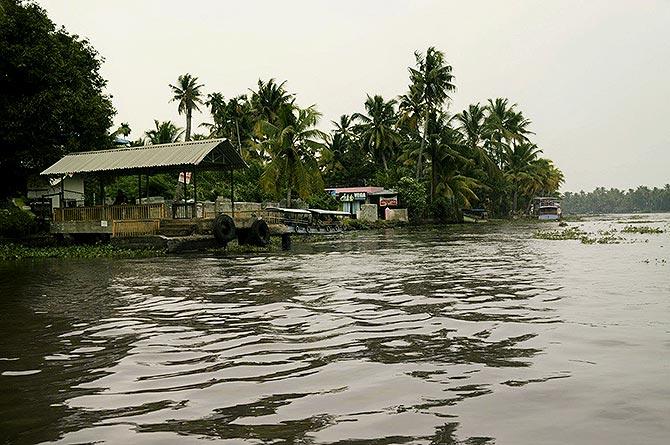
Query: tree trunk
(515, 201)
(432, 172)
(188, 125)
(288, 192)
(419, 158)
(384, 161)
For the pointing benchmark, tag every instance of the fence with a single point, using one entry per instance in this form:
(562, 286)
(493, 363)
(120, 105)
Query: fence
(137, 227)
(110, 213)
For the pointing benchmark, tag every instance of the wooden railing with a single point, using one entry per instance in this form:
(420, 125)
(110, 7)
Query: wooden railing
(181, 210)
(136, 227)
(110, 213)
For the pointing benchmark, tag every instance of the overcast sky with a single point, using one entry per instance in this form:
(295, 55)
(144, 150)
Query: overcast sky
(593, 76)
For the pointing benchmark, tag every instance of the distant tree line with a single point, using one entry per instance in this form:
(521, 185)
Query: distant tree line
(642, 199)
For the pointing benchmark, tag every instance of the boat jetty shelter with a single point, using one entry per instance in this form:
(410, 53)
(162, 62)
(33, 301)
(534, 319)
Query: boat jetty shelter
(141, 217)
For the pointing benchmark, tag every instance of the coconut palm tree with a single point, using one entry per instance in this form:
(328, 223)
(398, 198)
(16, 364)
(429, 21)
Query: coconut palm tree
(504, 126)
(431, 81)
(377, 128)
(187, 94)
(164, 133)
(269, 99)
(292, 143)
(124, 129)
(521, 170)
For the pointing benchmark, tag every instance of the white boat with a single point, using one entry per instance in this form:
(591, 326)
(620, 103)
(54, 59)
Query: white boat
(546, 208)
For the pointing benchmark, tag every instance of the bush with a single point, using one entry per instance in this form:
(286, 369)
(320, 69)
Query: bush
(412, 195)
(16, 223)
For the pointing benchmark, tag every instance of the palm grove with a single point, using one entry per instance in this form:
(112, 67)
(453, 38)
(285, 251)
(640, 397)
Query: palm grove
(439, 162)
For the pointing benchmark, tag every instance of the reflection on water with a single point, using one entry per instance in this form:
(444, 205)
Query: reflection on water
(474, 335)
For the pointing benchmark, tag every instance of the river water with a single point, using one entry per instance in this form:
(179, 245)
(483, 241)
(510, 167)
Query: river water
(474, 334)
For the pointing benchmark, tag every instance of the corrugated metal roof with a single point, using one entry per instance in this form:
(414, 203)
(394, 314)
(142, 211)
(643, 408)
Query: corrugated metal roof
(211, 152)
(355, 189)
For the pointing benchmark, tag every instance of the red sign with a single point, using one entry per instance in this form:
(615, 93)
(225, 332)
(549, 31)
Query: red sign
(391, 201)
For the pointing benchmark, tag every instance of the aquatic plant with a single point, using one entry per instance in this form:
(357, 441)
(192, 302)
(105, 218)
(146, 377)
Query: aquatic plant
(642, 229)
(12, 251)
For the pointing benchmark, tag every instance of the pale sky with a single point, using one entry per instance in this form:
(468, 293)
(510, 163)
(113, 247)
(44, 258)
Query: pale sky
(593, 76)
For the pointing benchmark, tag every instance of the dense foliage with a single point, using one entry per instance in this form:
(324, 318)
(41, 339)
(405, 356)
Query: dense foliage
(51, 94)
(16, 223)
(482, 156)
(601, 200)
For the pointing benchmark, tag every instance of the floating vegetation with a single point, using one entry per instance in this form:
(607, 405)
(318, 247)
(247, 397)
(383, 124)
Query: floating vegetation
(11, 251)
(571, 233)
(574, 233)
(642, 229)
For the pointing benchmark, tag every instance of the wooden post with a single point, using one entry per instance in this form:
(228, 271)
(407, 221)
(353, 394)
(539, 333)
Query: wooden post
(62, 192)
(139, 188)
(195, 195)
(232, 194)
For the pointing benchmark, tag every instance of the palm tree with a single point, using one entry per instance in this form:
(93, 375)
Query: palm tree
(378, 133)
(521, 170)
(187, 94)
(504, 126)
(431, 83)
(453, 165)
(164, 133)
(269, 99)
(292, 143)
(124, 129)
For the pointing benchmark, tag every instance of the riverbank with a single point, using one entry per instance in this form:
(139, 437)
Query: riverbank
(47, 246)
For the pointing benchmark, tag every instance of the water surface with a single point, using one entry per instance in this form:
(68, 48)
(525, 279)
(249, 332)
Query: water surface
(474, 334)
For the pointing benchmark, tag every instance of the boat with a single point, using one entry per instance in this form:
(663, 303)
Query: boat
(474, 215)
(546, 208)
(308, 221)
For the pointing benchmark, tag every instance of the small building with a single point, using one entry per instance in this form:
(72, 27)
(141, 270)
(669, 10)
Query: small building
(66, 179)
(46, 194)
(352, 198)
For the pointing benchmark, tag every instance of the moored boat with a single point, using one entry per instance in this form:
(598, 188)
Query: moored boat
(546, 208)
(474, 215)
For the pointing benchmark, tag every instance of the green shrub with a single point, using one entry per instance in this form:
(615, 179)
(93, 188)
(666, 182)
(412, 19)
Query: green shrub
(412, 195)
(16, 223)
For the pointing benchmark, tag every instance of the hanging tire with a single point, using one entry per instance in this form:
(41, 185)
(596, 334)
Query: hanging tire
(223, 228)
(259, 233)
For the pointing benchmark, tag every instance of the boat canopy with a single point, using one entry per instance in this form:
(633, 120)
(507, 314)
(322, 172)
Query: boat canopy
(295, 211)
(329, 212)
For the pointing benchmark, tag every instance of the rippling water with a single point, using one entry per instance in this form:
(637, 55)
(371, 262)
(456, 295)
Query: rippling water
(473, 334)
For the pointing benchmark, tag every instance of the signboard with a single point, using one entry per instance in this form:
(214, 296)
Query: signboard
(349, 197)
(389, 201)
(188, 177)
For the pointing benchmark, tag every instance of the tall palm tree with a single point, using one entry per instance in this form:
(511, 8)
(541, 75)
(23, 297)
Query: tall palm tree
(269, 99)
(378, 132)
(187, 94)
(292, 143)
(164, 133)
(504, 127)
(431, 82)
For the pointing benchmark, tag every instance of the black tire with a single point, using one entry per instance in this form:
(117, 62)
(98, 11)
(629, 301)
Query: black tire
(223, 228)
(259, 233)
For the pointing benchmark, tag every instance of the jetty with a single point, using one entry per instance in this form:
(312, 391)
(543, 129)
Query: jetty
(183, 222)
